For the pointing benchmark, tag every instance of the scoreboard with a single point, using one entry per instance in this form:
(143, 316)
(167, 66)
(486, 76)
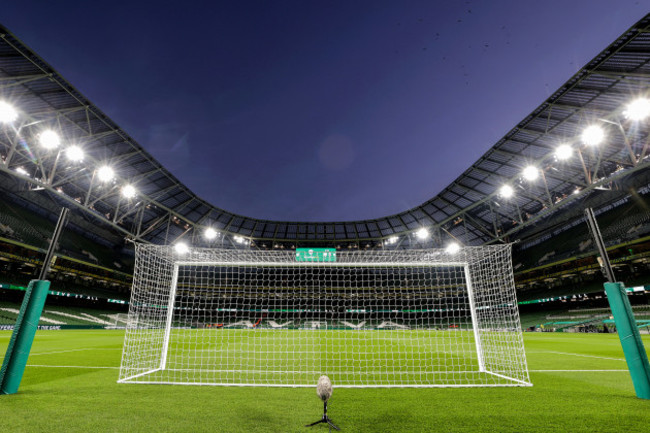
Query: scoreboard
(315, 254)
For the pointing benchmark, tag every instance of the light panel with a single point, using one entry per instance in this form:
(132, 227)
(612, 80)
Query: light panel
(506, 191)
(210, 233)
(105, 173)
(74, 153)
(593, 135)
(637, 110)
(452, 248)
(563, 152)
(129, 191)
(422, 234)
(49, 139)
(7, 113)
(530, 173)
(181, 248)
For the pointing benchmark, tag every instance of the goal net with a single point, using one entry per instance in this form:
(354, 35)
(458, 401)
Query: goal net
(412, 318)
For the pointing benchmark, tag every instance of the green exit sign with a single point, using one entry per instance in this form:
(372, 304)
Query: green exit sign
(315, 254)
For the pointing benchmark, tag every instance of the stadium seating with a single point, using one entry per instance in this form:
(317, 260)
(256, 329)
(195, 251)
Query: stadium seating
(33, 229)
(61, 315)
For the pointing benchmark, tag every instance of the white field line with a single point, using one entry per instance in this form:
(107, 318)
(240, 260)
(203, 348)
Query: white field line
(579, 354)
(573, 371)
(44, 333)
(71, 350)
(117, 368)
(71, 366)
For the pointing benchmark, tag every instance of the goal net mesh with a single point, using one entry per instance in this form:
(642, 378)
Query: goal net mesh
(417, 318)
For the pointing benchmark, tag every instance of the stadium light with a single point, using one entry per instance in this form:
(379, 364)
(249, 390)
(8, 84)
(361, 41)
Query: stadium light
(181, 248)
(105, 173)
(422, 234)
(129, 191)
(563, 152)
(506, 191)
(210, 233)
(22, 171)
(75, 153)
(593, 135)
(530, 173)
(452, 248)
(7, 113)
(49, 139)
(240, 240)
(638, 109)
(391, 240)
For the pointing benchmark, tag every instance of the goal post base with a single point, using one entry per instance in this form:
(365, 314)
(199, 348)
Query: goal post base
(22, 338)
(518, 381)
(130, 378)
(635, 354)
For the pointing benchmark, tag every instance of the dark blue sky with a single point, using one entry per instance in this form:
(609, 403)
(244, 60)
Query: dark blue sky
(318, 110)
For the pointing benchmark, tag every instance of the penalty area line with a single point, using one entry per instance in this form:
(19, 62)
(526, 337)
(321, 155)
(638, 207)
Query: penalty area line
(530, 371)
(72, 366)
(573, 371)
(581, 355)
(73, 350)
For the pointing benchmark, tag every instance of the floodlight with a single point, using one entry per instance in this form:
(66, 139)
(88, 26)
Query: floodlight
(593, 135)
(181, 248)
(563, 152)
(75, 153)
(391, 240)
(422, 233)
(129, 191)
(530, 173)
(506, 191)
(22, 171)
(7, 113)
(638, 109)
(210, 233)
(49, 139)
(105, 174)
(452, 248)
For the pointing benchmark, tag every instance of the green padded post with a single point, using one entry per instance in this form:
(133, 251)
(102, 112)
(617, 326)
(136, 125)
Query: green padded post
(635, 354)
(20, 344)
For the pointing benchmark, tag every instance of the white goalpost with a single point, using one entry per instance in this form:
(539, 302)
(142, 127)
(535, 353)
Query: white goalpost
(409, 318)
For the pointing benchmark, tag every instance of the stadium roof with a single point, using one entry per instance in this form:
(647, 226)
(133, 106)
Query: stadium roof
(471, 209)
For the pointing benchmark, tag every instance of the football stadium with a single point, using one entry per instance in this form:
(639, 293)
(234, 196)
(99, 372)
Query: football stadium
(482, 309)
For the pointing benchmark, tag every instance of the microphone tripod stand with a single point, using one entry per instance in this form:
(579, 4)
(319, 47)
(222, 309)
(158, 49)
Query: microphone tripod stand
(325, 419)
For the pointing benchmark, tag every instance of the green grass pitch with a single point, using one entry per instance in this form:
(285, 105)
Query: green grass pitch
(271, 356)
(581, 384)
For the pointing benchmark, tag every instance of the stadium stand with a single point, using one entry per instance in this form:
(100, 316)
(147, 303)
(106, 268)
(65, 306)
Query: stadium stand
(60, 315)
(553, 256)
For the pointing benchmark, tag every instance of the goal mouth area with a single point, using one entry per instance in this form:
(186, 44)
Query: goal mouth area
(384, 319)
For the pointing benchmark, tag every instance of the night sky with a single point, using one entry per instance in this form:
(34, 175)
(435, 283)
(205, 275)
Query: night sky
(318, 110)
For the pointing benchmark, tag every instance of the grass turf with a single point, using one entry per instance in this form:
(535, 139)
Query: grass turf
(299, 357)
(580, 385)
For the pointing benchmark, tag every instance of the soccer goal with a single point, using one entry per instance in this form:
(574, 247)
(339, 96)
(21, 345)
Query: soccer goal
(410, 318)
